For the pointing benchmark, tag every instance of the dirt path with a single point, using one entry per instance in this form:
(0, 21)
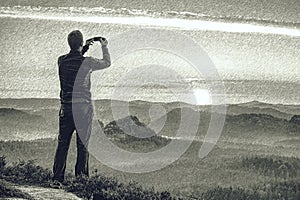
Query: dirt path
(40, 193)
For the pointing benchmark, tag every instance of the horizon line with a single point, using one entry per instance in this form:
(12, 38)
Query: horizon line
(251, 101)
(175, 23)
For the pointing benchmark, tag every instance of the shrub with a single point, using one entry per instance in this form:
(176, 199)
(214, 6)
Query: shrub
(282, 190)
(279, 190)
(2, 163)
(84, 187)
(230, 193)
(273, 166)
(26, 173)
(99, 187)
(7, 191)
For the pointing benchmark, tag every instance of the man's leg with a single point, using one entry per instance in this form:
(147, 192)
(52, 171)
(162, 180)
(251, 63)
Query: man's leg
(82, 163)
(66, 129)
(83, 131)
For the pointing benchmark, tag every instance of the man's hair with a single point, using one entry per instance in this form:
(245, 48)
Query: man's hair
(75, 39)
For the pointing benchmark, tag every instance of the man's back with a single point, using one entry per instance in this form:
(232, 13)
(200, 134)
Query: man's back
(74, 75)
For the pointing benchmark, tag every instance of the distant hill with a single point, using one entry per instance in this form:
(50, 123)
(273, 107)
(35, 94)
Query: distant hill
(253, 125)
(11, 115)
(131, 134)
(249, 125)
(18, 124)
(30, 103)
(30, 118)
(173, 121)
(255, 109)
(281, 108)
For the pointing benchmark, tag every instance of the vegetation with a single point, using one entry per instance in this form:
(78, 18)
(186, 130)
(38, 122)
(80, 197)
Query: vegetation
(104, 187)
(220, 193)
(288, 190)
(283, 171)
(273, 166)
(7, 191)
(283, 190)
(222, 175)
(111, 189)
(140, 137)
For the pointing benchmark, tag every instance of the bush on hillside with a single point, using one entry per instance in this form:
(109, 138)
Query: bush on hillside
(26, 173)
(109, 188)
(230, 193)
(2, 163)
(277, 166)
(7, 191)
(281, 190)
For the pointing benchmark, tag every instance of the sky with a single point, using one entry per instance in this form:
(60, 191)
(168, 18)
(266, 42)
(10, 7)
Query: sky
(240, 51)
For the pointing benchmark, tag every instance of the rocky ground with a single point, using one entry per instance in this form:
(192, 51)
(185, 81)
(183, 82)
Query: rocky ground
(40, 193)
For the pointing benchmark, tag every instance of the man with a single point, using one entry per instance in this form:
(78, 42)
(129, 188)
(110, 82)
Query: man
(76, 111)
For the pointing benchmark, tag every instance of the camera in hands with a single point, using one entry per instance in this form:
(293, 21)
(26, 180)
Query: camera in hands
(95, 39)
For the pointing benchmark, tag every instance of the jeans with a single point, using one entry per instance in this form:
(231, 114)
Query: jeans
(80, 119)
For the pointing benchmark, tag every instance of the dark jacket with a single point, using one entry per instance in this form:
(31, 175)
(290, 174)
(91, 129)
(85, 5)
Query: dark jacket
(75, 74)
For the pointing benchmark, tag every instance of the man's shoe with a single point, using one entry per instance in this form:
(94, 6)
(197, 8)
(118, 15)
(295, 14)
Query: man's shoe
(56, 184)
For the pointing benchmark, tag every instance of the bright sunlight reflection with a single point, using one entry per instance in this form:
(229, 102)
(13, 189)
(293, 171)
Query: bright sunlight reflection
(202, 96)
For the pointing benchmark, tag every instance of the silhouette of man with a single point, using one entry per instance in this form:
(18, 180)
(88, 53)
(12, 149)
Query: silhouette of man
(76, 112)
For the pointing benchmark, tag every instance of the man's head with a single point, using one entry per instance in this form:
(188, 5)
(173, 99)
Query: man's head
(75, 40)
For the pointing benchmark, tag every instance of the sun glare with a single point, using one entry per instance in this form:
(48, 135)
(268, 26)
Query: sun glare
(202, 96)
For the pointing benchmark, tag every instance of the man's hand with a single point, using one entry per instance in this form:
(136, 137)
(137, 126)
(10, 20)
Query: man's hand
(89, 42)
(103, 42)
(85, 48)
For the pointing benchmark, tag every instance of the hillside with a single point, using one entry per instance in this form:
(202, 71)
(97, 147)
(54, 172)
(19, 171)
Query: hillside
(249, 125)
(21, 125)
(33, 119)
(131, 134)
(245, 109)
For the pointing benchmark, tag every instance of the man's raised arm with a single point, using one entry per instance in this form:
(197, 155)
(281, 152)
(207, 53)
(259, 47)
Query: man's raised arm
(103, 63)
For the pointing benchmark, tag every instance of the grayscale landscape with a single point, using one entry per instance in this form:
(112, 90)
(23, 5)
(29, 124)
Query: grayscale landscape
(253, 45)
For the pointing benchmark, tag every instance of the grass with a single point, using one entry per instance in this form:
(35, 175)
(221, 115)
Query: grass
(273, 166)
(226, 172)
(28, 173)
(235, 168)
(111, 189)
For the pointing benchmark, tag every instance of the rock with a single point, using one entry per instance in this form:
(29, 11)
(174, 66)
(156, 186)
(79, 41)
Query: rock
(133, 133)
(40, 193)
(295, 120)
(129, 125)
(294, 124)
